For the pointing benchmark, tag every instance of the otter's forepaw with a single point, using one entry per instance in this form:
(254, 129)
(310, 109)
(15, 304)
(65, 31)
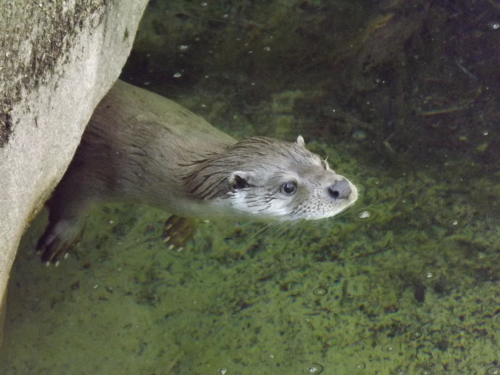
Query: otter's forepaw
(57, 240)
(178, 232)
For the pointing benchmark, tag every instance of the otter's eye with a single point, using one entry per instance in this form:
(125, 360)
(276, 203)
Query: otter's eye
(289, 187)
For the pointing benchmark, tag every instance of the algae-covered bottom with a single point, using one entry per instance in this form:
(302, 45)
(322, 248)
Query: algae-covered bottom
(406, 282)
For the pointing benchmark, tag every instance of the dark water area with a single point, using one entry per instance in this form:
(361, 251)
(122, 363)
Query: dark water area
(403, 98)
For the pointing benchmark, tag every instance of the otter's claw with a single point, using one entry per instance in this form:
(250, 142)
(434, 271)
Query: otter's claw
(178, 232)
(57, 240)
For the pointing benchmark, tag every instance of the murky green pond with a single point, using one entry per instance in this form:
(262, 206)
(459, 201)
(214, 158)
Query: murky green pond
(402, 98)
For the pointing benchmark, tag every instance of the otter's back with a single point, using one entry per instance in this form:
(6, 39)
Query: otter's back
(138, 142)
(126, 105)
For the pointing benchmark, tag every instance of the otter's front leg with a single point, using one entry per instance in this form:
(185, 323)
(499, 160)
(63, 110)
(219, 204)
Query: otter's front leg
(68, 209)
(59, 237)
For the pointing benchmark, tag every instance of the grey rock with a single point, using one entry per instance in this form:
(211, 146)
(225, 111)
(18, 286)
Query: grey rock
(57, 60)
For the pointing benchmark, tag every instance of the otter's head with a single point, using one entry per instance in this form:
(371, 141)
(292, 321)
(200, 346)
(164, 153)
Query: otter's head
(266, 179)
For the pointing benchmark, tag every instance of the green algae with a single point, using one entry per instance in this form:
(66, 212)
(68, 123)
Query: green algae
(412, 290)
(244, 298)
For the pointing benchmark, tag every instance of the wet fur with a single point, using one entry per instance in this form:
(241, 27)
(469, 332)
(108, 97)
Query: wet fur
(142, 148)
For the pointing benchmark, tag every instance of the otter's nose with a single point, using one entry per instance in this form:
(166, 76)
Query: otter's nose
(340, 189)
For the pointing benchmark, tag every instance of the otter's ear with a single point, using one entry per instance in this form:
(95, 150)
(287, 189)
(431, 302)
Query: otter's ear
(300, 141)
(240, 180)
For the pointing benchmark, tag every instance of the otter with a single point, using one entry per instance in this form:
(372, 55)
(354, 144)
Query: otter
(143, 148)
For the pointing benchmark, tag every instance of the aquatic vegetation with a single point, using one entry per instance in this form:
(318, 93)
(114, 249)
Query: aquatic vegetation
(405, 282)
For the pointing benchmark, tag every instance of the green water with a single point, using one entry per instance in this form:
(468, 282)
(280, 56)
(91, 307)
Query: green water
(412, 289)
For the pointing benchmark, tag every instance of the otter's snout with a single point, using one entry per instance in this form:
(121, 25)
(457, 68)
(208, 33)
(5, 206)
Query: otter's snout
(340, 189)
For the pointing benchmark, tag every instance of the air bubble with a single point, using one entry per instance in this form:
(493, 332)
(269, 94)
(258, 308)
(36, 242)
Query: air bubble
(359, 367)
(415, 335)
(390, 349)
(495, 370)
(315, 369)
(398, 371)
(365, 215)
(429, 275)
(320, 291)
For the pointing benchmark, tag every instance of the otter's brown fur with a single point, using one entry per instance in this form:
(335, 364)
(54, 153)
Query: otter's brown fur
(142, 148)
